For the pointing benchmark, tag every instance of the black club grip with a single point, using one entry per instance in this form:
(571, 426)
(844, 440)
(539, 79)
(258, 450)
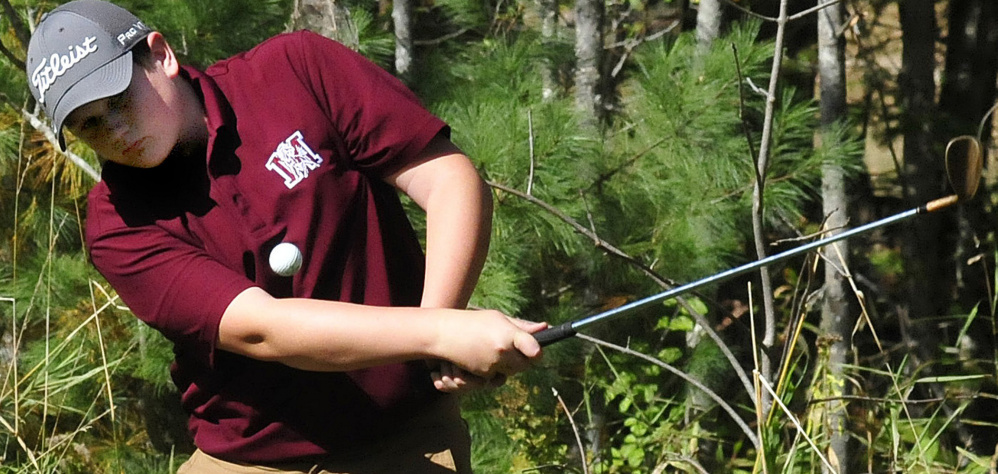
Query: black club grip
(555, 334)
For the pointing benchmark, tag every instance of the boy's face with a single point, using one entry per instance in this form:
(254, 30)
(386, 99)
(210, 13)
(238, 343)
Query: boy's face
(138, 127)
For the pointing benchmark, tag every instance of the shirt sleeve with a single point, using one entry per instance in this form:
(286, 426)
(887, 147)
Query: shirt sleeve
(381, 122)
(168, 283)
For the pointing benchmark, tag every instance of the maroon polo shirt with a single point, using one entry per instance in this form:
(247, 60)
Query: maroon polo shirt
(301, 132)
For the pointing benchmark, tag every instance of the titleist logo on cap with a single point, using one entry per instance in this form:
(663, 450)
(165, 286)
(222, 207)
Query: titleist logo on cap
(53, 67)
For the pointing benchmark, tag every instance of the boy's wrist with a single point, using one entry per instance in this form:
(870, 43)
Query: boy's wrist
(438, 336)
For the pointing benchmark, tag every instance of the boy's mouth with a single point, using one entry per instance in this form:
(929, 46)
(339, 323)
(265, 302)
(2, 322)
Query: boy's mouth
(134, 148)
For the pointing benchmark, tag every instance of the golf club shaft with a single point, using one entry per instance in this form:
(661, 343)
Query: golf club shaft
(566, 330)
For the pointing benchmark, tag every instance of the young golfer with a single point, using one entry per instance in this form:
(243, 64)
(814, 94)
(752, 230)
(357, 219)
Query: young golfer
(321, 360)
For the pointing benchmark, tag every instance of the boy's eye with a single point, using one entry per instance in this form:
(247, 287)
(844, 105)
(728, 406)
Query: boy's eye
(89, 124)
(85, 124)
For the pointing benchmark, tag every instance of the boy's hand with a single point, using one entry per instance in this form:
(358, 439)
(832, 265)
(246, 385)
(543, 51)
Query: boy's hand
(487, 343)
(450, 378)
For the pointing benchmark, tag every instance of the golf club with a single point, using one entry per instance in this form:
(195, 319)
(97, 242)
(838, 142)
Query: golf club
(964, 162)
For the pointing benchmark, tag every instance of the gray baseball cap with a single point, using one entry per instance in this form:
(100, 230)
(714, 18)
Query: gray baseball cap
(81, 52)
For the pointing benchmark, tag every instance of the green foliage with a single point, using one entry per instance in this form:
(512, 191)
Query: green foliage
(685, 163)
(912, 437)
(669, 183)
(467, 13)
(495, 113)
(374, 42)
(670, 186)
(13, 80)
(70, 383)
(68, 388)
(204, 31)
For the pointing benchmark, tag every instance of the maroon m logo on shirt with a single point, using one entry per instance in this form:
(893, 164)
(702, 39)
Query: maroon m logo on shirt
(293, 159)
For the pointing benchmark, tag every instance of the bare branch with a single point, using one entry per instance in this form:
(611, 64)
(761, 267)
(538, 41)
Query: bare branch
(755, 88)
(749, 12)
(436, 41)
(672, 458)
(10, 57)
(575, 429)
(631, 44)
(606, 176)
(597, 240)
(530, 141)
(890, 401)
(21, 30)
(741, 100)
(758, 194)
(811, 10)
(41, 126)
(770, 19)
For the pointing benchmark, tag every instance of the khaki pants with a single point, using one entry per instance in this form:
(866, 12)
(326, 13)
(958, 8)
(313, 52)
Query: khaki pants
(434, 442)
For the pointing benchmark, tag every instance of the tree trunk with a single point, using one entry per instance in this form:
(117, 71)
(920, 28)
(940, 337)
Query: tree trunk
(548, 12)
(923, 173)
(588, 55)
(968, 88)
(967, 92)
(758, 206)
(402, 17)
(922, 170)
(836, 320)
(327, 18)
(709, 18)
(589, 59)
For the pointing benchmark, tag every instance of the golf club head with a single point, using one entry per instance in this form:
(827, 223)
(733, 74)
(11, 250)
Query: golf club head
(964, 162)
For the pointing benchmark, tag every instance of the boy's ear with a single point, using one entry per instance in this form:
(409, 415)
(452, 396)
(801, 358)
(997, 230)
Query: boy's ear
(162, 54)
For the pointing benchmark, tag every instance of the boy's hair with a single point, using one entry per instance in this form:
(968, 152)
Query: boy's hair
(142, 56)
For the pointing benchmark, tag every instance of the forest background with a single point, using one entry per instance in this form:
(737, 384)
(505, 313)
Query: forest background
(631, 145)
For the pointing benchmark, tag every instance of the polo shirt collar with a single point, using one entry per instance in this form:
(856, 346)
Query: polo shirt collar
(222, 135)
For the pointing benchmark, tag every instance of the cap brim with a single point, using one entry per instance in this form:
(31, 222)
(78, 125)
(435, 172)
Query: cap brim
(108, 80)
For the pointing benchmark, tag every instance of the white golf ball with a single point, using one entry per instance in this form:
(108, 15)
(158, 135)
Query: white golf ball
(285, 259)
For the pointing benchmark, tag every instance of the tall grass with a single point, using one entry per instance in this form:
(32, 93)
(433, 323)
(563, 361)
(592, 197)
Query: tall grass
(66, 402)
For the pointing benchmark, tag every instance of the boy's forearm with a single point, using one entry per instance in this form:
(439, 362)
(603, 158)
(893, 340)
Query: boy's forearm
(323, 335)
(332, 336)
